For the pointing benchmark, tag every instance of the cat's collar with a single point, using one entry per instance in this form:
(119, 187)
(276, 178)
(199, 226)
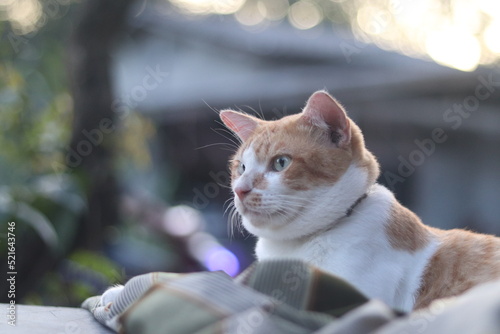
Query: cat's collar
(348, 213)
(353, 206)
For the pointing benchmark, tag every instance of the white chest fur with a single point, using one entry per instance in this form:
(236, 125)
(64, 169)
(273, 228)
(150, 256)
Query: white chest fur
(358, 250)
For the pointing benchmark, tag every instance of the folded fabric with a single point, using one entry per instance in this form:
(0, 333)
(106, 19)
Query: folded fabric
(280, 296)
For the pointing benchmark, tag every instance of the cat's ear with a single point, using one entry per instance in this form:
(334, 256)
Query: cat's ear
(241, 124)
(325, 112)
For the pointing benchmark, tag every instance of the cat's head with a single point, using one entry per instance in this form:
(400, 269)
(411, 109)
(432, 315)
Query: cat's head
(297, 175)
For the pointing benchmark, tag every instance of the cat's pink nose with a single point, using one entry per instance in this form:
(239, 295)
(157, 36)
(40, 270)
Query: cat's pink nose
(242, 192)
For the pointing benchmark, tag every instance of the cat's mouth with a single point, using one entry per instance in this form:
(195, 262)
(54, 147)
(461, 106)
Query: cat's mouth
(257, 214)
(261, 214)
(250, 211)
(246, 211)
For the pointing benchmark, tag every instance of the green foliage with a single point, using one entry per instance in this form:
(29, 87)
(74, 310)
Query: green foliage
(37, 191)
(97, 263)
(36, 105)
(82, 275)
(47, 206)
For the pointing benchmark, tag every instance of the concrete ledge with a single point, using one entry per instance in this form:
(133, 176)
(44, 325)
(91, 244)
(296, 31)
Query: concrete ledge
(50, 319)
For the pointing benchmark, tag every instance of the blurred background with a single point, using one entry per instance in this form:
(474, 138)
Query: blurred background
(113, 162)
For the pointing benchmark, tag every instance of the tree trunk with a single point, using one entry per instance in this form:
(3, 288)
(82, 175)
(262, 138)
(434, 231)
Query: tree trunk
(92, 43)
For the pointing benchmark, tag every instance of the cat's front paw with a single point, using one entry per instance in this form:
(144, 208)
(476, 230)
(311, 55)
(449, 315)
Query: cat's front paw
(110, 295)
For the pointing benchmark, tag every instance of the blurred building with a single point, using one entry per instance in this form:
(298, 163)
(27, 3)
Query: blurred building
(435, 130)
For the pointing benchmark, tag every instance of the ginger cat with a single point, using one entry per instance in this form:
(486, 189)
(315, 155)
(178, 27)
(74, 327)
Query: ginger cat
(305, 185)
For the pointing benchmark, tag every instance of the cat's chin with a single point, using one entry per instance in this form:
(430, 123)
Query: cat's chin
(265, 225)
(264, 219)
(276, 225)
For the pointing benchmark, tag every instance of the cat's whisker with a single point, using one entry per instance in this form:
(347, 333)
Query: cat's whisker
(233, 224)
(234, 221)
(236, 141)
(229, 210)
(293, 197)
(210, 107)
(229, 203)
(261, 112)
(291, 202)
(231, 146)
(254, 111)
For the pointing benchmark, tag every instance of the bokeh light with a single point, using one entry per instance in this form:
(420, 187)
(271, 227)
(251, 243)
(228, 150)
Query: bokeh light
(251, 14)
(452, 33)
(207, 250)
(305, 15)
(273, 10)
(461, 34)
(223, 7)
(460, 50)
(182, 221)
(492, 36)
(222, 259)
(24, 15)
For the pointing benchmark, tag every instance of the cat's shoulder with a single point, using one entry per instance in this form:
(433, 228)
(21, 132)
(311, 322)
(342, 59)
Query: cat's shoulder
(463, 260)
(402, 227)
(461, 240)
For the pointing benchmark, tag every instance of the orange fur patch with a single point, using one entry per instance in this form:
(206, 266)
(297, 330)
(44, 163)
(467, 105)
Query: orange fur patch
(405, 230)
(463, 260)
(260, 182)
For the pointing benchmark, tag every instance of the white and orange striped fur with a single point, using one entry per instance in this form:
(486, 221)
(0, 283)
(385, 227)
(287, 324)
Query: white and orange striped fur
(300, 185)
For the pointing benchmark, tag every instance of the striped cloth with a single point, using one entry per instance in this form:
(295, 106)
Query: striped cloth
(280, 296)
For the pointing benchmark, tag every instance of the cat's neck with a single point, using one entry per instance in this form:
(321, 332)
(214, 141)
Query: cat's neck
(371, 208)
(379, 236)
(343, 219)
(376, 210)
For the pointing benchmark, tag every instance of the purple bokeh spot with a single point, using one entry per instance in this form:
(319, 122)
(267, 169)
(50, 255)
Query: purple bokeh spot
(220, 258)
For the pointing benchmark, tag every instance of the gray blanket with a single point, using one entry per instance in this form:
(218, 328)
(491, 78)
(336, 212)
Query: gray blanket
(285, 296)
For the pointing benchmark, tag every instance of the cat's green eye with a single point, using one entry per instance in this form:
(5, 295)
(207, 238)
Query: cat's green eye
(241, 168)
(281, 162)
